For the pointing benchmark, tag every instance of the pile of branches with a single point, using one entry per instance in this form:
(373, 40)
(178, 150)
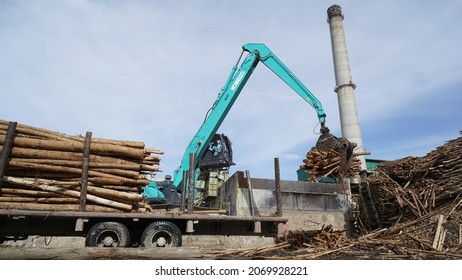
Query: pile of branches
(328, 163)
(426, 189)
(409, 208)
(428, 237)
(327, 237)
(44, 171)
(412, 187)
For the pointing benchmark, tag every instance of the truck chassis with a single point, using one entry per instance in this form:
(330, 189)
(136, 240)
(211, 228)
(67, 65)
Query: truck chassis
(103, 229)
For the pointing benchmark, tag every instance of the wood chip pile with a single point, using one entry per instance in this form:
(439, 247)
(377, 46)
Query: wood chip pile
(44, 171)
(327, 164)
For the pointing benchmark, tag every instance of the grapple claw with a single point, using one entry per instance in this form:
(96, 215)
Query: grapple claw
(328, 141)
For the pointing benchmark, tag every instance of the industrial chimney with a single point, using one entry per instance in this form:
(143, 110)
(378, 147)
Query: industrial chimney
(345, 88)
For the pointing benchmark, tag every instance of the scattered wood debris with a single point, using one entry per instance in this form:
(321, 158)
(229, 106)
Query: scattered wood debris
(410, 208)
(327, 237)
(296, 243)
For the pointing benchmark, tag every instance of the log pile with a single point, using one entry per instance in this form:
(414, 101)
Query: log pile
(320, 164)
(45, 171)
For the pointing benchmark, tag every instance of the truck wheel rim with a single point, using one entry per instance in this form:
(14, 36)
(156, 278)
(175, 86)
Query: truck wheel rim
(108, 239)
(162, 239)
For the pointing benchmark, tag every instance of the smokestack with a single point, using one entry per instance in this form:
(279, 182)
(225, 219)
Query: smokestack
(345, 88)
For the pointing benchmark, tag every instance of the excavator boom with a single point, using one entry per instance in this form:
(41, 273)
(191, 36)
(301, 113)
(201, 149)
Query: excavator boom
(274, 64)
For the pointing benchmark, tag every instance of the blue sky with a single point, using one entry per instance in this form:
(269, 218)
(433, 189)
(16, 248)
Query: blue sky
(149, 71)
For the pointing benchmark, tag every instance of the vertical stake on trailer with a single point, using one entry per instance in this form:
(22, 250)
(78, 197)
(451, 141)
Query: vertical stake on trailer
(183, 190)
(277, 181)
(7, 147)
(191, 183)
(191, 187)
(85, 167)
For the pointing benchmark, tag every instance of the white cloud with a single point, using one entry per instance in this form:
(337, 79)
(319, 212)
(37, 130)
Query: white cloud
(149, 71)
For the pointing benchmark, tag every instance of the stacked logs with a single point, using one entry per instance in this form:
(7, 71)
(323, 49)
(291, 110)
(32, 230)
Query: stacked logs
(328, 164)
(44, 171)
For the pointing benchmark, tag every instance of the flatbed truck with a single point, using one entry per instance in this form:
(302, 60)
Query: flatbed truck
(116, 229)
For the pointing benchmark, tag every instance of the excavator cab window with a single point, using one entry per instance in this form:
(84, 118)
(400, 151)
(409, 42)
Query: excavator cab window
(219, 154)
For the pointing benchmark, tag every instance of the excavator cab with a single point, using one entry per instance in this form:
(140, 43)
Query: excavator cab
(327, 141)
(219, 154)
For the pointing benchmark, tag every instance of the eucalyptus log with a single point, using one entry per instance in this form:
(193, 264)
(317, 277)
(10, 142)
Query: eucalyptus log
(149, 168)
(54, 168)
(46, 156)
(151, 158)
(27, 173)
(50, 200)
(96, 165)
(119, 172)
(54, 207)
(153, 151)
(71, 193)
(131, 144)
(38, 132)
(117, 181)
(122, 188)
(73, 146)
(48, 134)
(27, 193)
(116, 195)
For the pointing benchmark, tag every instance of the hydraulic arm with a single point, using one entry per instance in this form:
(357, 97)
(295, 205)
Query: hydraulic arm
(231, 90)
(265, 55)
(206, 141)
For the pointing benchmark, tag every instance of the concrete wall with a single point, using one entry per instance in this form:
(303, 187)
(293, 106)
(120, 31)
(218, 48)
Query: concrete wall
(307, 205)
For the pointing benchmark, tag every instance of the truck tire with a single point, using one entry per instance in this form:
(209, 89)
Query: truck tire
(161, 234)
(108, 234)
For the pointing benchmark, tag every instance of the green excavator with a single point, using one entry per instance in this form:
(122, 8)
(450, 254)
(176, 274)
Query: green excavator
(213, 151)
